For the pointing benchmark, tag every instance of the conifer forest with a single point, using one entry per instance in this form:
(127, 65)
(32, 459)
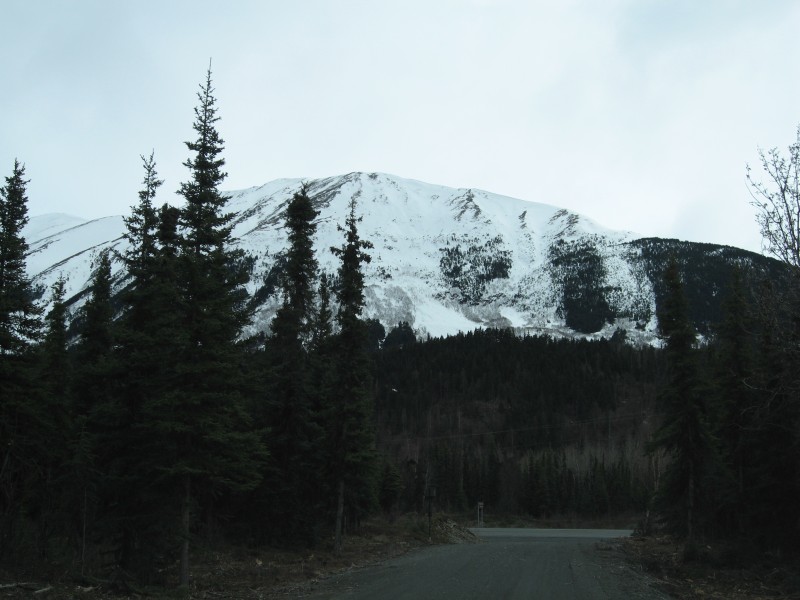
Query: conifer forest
(149, 424)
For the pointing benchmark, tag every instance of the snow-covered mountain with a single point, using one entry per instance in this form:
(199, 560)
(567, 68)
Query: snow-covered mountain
(444, 259)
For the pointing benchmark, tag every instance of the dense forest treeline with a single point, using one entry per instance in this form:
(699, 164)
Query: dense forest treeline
(149, 425)
(490, 417)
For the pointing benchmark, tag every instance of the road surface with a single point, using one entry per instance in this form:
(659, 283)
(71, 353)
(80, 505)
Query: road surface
(513, 564)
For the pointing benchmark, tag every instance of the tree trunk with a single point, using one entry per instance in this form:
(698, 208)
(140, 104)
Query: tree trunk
(690, 507)
(83, 531)
(185, 525)
(211, 528)
(337, 543)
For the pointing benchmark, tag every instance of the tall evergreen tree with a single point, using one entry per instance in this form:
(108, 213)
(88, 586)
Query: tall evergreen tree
(143, 302)
(294, 425)
(153, 407)
(94, 396)
(18, 314)
(685, 432)
(352, 438)
(148, 339)
(203, 419)
(22, 452)
(65, 453)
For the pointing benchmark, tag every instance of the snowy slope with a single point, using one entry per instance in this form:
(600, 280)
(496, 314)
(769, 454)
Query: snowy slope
(444, 259)
(65, 246)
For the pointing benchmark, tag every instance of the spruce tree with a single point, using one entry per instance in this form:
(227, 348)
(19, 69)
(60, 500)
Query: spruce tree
(65, 452)
(295, 317)
(203, 419)
(294, 426)
(146, 299)
(148, 339)
(95, 376)
(19, 323)
(94, 396)
(684, 434)
(152, 402)
(352, 438)
(142, 300)
(23, 451)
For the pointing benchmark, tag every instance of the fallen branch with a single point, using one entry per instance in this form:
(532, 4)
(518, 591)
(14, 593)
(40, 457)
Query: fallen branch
(46, 589)
(31, 587)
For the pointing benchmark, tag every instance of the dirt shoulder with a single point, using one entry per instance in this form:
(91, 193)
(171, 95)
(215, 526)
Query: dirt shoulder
(719, 571)
(265, 573)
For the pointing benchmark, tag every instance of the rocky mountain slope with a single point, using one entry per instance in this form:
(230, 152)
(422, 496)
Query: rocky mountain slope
(444, 259)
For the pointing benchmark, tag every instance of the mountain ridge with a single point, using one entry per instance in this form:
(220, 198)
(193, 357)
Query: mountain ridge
(444, 259)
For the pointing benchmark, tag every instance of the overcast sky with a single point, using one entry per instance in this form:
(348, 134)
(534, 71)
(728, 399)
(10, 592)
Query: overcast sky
(640, 114)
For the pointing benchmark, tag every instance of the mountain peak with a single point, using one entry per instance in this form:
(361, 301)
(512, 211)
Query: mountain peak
(444, 259)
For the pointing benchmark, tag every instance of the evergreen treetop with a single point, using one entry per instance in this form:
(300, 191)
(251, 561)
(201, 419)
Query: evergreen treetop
(294, 318)
(141, 225)
(54, 344)
(18, 314)
(98, 313)
(206, 226)
(350, 291)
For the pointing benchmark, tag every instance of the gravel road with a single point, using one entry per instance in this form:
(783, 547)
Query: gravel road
(514, 564)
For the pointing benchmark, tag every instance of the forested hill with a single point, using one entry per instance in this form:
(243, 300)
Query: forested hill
(707, 271)
(577, 428)
(444, 260)
(525, 424)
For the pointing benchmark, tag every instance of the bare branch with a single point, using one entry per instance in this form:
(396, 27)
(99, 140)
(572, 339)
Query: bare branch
(778, 203)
